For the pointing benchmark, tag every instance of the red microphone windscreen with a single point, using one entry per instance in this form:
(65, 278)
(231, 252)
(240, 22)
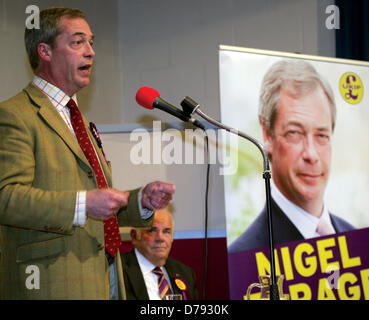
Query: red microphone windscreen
(146, 96)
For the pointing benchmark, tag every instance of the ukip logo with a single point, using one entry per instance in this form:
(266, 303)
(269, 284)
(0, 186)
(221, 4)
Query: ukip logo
(351, 88)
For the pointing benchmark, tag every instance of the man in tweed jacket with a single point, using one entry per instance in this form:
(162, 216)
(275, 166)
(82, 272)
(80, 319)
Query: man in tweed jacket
(51, 210)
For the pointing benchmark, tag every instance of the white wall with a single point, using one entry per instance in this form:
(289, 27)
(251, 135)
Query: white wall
(171, 45)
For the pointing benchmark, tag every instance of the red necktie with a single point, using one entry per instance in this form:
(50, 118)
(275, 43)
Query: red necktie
(162, 282)
(111, 228)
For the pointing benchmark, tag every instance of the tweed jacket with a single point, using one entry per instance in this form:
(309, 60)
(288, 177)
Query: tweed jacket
(41, 169)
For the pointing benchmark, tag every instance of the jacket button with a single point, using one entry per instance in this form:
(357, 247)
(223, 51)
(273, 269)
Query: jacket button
(90, 174)
(100, 246)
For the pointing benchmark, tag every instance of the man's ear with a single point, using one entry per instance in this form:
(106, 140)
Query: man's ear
(133, 234)
(44, 51)
(267, 140)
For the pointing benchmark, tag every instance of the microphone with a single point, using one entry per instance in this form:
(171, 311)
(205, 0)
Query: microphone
(149, 98)
(189, 106)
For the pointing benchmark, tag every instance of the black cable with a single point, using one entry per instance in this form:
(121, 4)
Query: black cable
(206, 218)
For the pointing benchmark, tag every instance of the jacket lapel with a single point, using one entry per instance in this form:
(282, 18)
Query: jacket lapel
(137, 282)
(172, 274)
(283, 228)
(103, 161)
(51, 116)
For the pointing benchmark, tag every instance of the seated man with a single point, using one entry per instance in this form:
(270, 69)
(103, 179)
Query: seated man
(145, 266)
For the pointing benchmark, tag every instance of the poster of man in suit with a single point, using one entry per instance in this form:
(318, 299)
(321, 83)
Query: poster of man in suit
(310, 115)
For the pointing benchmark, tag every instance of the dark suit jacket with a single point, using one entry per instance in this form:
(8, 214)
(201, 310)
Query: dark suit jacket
(135, 283)
(256, 235)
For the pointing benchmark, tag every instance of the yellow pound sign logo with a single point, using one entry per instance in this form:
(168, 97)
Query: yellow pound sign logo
(351, 88)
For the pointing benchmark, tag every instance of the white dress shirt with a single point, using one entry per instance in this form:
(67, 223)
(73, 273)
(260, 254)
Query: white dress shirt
(304, 221)
(151, 279)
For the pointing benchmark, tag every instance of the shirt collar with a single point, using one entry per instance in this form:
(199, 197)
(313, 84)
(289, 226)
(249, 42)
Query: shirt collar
(58, 97)
(305, 222)
(146, 265)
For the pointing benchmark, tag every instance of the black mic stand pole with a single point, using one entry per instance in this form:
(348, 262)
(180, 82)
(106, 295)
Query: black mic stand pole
(274, 293)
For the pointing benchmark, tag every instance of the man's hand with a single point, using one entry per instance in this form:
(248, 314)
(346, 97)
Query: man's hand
(102, 204)
(157, 195)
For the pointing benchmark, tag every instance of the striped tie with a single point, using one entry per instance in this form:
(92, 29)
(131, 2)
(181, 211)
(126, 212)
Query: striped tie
(162, 283)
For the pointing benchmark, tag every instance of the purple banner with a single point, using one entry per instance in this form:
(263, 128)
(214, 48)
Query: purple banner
(333, 267)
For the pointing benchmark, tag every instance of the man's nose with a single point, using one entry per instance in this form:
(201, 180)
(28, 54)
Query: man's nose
(310, 152)
(159, 236)
(89, 51)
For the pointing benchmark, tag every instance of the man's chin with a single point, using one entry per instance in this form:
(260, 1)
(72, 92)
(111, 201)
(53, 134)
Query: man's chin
(311, 194)
(161, 254)
(159, 259)
(82, 82)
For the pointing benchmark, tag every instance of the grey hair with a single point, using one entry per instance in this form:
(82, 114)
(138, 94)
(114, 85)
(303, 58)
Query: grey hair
(49, 29)
(298, 77)
(170, 209)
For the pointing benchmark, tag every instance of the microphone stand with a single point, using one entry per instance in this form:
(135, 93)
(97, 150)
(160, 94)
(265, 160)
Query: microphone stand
(190, 107)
